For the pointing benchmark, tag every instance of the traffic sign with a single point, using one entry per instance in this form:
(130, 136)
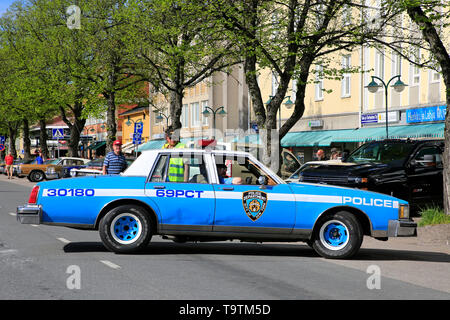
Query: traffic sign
(2, 147)
(137, 138)
(138, 127)
(58, 133)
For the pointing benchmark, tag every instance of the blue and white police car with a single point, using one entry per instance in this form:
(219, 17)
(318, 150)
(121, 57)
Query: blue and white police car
(204, 195)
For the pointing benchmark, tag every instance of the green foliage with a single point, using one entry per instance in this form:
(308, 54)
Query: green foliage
(433, 216)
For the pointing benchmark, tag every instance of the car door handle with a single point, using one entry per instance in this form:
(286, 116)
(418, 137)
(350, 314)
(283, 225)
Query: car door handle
(228, 188)
(159, 187)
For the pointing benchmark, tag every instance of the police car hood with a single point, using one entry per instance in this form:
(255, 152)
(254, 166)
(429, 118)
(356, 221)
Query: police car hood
(344, 169)
(337, 194)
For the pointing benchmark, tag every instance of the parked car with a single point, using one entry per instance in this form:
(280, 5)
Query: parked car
(51, 169)
(149, 199)
(93, 168)
(409, 170)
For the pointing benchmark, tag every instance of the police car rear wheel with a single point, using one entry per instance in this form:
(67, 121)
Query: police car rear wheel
(125, 229)
(338, 236)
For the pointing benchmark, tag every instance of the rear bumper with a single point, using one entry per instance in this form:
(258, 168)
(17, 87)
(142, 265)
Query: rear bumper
(402, 228)
(29, 214)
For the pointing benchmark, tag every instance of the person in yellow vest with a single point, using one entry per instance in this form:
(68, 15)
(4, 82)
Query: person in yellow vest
(178, 168)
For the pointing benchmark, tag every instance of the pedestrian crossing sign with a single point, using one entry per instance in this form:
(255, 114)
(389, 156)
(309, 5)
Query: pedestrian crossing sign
(58, 133)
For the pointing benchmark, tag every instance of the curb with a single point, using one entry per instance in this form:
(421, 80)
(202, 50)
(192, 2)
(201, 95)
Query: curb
(434, 234)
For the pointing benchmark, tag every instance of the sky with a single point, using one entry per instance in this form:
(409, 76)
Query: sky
(4, 4)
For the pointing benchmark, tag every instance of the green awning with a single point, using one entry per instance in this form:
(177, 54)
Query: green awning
(96, 145)
(322, 138)
(152, 144)
(413, 131)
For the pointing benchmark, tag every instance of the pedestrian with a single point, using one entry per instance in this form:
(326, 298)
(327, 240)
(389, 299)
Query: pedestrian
(115, 161)
(178, 167)
(173, 140)
(320, 155)
(9, 161)
(39, 159)
(335, 154)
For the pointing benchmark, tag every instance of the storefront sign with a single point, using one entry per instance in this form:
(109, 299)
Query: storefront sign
(436, 113)
(379, 117)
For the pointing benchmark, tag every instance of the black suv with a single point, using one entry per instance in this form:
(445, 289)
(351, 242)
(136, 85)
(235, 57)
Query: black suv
(409, 170)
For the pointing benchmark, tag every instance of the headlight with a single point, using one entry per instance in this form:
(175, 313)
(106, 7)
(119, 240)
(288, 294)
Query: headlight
(50, 170)
(357, 180)
(403, 211)
(73, 173)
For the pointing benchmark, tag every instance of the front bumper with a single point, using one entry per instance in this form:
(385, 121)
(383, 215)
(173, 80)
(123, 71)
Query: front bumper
(51, 176)
(29, 214)
(402, 228)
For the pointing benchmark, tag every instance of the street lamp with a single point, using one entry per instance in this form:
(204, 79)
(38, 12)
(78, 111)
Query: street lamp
(160, 117)
(288, 104)
(129, 123)
(219, 111)
(398, 87)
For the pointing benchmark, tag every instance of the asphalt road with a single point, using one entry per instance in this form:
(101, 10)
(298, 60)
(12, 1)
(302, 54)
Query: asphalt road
(45, 262)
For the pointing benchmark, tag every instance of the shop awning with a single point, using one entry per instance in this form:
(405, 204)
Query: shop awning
(322, 138)
(414, 131)
(152, 144)
(96, 145)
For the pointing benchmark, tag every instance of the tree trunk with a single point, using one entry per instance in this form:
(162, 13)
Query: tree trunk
(111, 121)
(176, 107)
(26, 139)
(43, 137)
(12, 139)
(442, 56)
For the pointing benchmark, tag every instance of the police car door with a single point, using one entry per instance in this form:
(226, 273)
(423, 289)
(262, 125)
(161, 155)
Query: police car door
(250, 207)
(179, 187)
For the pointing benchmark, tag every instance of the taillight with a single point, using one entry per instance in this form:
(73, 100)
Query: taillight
(33, 195)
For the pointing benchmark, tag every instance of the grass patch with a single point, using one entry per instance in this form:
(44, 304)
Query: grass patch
(432, 216)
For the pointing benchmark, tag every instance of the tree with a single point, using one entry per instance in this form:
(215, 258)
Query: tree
(431, 16)
(177, 45)
(289, 37)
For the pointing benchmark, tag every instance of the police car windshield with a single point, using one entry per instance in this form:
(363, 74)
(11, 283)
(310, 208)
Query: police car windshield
(381, 152)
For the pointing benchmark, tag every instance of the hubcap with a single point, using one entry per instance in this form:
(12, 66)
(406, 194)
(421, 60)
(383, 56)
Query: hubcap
(126, 228)
(334, 235)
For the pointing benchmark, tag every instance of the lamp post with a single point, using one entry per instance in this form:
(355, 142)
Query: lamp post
(160, 117)
(398, 86)
(219, 111)
(128, 123)
(288, 104)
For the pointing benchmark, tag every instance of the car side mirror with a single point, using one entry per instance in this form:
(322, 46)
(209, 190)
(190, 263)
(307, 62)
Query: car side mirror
(262, 180)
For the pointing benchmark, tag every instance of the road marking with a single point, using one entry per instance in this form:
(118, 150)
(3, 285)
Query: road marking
(110, 264)
(12, 214)
(63, 240)
(8, 251)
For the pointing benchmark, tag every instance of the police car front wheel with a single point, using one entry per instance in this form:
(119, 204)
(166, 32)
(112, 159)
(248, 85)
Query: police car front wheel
(125, 229)
(338, 236)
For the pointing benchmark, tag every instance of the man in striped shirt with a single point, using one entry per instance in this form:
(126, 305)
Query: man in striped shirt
(115, 161)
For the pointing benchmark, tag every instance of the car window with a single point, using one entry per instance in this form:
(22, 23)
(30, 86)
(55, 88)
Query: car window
(180, 168)
(429, 157)
(241, 170)
(383, 152)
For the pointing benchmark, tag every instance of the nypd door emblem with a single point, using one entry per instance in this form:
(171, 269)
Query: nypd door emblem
(254, 203)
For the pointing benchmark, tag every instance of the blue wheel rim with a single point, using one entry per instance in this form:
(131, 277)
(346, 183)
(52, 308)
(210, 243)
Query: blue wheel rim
(334, 235)
(126, 228)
